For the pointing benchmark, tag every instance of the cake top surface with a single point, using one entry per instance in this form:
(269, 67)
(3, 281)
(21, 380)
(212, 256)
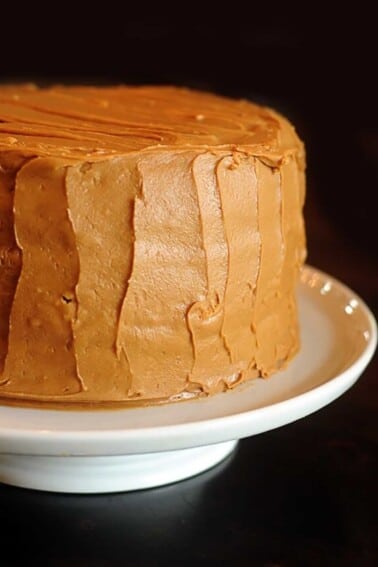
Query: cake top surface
(95, 123)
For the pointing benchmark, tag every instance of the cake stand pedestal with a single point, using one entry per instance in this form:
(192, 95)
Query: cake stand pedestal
(110, 473)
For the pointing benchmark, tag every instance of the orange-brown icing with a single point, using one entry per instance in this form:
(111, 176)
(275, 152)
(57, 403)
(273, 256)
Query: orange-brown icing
(150, 243)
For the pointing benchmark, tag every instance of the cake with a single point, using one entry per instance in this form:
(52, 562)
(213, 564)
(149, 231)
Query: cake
(151, 240)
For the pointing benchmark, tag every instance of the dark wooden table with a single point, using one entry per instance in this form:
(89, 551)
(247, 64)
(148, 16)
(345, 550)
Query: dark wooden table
(304, 494)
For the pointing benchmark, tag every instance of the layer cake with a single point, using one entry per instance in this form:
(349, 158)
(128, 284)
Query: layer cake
(151, 240)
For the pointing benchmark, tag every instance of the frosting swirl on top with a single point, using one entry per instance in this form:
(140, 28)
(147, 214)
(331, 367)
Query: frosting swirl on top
(91, 123)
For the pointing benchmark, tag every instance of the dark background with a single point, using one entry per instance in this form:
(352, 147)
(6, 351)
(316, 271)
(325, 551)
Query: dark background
(302, 495)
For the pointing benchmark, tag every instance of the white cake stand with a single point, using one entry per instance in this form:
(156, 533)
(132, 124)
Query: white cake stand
(130, 449)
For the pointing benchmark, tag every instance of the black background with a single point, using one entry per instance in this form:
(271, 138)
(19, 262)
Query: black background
(304, 494)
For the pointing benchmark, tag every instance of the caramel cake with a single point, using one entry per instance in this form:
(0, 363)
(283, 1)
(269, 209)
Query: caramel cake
(150, 243)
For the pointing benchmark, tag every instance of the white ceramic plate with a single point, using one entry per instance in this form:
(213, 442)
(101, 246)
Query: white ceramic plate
(103, 451)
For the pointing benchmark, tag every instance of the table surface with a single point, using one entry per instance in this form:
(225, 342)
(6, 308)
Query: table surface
(304, 494)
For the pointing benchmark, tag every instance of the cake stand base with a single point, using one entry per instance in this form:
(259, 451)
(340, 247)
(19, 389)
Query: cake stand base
(109, 473)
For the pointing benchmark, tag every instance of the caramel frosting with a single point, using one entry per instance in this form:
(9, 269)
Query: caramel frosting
(150, 243)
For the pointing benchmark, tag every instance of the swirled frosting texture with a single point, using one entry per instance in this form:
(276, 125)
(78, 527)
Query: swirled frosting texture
(150, 243)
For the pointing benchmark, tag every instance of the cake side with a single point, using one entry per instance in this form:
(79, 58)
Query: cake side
(153, 274)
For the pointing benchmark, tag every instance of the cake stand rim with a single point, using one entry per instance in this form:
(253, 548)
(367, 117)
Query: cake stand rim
(192, 434)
